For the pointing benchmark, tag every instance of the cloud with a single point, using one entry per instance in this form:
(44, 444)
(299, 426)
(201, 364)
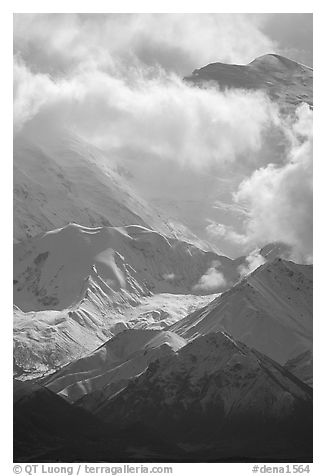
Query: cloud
(161, 117)
(279, 198)
(253, 261)
(150, 126)
(225, 232)
(211, 281)
(179, 42)
(274, 203)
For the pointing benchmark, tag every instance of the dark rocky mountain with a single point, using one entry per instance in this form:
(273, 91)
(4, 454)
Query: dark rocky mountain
(302, 366)
(46, 428)
(218, 399)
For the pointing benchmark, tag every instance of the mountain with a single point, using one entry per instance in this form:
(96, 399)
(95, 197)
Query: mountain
(256, 310)
(269, 310)
(75, 287)
(135, 339)
(43, 421)
(62, 180)
(106, 371)
(46, 428)
(57, 269)
(286, 81)
(206, 197)
(194, 403)
(219, 400)
(302, 366)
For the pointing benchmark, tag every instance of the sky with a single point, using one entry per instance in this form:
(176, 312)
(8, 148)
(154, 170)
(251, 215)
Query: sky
(115, 80)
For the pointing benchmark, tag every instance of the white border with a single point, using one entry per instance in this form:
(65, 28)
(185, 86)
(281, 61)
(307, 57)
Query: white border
(95, 6)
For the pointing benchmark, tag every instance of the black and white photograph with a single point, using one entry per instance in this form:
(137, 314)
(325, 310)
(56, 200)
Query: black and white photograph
(163, 239)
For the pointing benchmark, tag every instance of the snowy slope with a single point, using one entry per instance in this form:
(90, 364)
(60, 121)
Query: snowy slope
(286, 81)
(107, 370)
(60, 268)
(270, 310)
(75, 287)
(210, 393)
(47, 340)
(66, 179)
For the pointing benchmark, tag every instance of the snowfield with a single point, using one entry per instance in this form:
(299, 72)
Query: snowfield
(75, 287)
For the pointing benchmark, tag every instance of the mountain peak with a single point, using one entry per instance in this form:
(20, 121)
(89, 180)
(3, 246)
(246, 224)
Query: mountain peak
(218, 385)
(284, 80)
(269, 310)
(274, 62)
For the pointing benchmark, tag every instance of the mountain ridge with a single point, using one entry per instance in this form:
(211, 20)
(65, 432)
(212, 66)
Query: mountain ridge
(284, 80)
(270, 310)
(213, 389)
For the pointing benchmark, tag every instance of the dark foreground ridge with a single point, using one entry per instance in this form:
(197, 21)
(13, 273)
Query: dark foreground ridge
(214, 400)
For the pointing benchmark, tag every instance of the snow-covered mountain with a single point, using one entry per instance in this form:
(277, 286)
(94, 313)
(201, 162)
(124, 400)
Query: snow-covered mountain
(145, 342)
(60, 268)
(217, 397)
(197, 201)
(66, 180)
(286, 81)
(269, 310)
(75, 287)
(263, 311)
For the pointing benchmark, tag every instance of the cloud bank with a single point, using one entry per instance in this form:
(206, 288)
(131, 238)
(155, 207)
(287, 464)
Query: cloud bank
(279, 198)
(59, 43)
(161, 117)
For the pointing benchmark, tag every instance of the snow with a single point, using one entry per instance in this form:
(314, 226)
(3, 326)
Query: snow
(63, 180)
(47, 340)
(76, 286)
(54, 270)
(80, 285)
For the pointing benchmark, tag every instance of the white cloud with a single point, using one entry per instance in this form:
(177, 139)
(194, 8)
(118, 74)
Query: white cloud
(162, 117)
(279, 198)
(225, 232)
(212, 281)
(177, 42)
(253, 261)
(274, 203)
